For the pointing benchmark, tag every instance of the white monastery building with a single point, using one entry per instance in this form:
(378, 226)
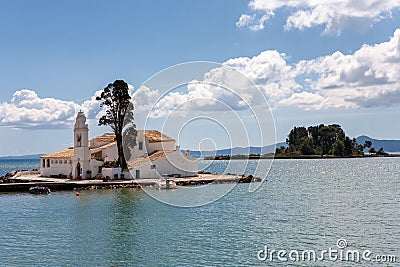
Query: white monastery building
(154, 156)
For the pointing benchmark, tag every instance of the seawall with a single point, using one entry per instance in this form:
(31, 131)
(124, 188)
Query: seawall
(23, 183)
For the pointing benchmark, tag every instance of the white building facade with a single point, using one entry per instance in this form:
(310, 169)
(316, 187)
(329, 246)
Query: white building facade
(154, 156)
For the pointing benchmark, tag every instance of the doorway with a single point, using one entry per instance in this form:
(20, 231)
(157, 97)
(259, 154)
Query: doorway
(78, 170)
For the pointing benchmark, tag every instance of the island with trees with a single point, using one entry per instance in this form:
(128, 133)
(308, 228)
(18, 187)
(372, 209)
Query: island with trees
(324, 141)
(320, 141)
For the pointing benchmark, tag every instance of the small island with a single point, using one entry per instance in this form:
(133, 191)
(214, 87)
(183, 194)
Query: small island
(320, 141)
(324, 141)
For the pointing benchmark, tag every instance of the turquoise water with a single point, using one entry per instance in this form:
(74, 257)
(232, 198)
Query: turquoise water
(18, 164)
(305, 204)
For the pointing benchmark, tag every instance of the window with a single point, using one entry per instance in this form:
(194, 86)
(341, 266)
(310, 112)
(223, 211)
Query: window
(56, 162)
(44, 163)
(52, 161)
(65, 161)
(79, 140)
(48, 163)
(70, 162)
(140, 145)
(153, 166)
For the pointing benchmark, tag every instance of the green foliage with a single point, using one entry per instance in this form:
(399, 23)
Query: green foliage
(280, 150)
(119, 114)
(306, 146)
(295, 135)
(381, 152)
(329, 140)
(338, 148)
(367, 144)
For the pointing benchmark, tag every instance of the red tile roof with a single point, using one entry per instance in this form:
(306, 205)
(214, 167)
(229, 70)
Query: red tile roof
(153, 157)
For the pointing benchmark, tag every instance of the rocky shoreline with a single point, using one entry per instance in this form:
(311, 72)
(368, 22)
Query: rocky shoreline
(21, 181)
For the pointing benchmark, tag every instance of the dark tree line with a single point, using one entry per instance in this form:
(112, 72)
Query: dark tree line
(323, 140)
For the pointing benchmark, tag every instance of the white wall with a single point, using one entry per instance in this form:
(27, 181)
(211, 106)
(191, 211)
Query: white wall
(110, 153)
(177, 163)
(173, 163)
(111, 171)
(145, 171)
(56, 169)
(66, 169)
(94, 167)
(136, 153)
(151, 147)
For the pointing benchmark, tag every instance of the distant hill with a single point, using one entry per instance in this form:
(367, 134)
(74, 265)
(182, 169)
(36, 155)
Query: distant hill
(33, 156)
(237, 151)
(392, 146)
(388, 145)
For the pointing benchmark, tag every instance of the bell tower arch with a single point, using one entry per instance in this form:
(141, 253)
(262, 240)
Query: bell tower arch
(81, 162)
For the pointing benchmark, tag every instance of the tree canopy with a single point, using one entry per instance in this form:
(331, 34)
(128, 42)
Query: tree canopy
(321, 140)
(119, 116)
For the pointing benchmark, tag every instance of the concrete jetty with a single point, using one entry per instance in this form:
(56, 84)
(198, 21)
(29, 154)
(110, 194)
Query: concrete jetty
(22, 182)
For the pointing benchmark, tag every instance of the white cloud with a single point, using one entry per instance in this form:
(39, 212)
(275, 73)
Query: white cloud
(144, 98)
(92, 108)
(27, 110)
(245, 20)
(172, 103)
(221, 89)
(199, 95)
(333, 14)
(365, 78)
(253, 22)
(369, 77)
(303, 99)
(269, 71)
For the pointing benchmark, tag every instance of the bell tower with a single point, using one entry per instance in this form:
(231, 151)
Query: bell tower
(81, 163)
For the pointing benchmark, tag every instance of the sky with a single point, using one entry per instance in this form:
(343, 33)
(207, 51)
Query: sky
(306, 62)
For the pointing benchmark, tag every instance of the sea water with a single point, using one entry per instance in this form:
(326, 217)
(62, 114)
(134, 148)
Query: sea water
(304, 205)
(7, 165)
